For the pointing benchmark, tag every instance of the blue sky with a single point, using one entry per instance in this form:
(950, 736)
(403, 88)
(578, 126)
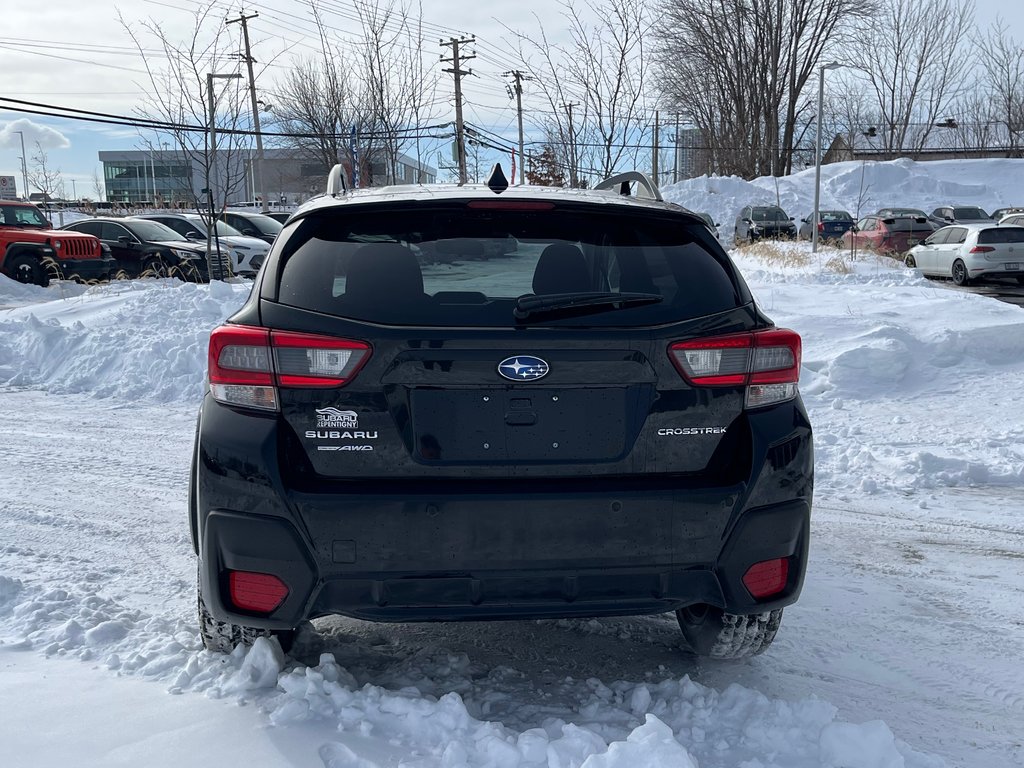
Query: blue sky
(76, 53)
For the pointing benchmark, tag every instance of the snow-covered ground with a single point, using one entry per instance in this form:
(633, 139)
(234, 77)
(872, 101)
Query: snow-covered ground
(903, 652)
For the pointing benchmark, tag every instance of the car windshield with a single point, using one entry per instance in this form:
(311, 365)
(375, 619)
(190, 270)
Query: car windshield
(452, 265)
(224, 230)
(769, 214)
(969, 213)
(999, 235)
(153, 231)
(23, 215)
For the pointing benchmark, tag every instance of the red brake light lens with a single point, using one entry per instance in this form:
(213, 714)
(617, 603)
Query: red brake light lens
(511, 205)
(307, 360)
(256, 592)
(767, 578)
(766, 362)
(247, 365)
(982, 249)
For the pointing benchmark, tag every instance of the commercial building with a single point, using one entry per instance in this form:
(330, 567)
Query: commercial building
(167, 177)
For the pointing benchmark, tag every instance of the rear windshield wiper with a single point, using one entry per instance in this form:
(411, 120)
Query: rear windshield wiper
(568, 304)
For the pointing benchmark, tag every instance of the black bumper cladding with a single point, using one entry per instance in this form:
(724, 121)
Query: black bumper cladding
(411, 567)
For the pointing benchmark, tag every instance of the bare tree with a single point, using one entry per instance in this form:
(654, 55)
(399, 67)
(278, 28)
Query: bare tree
(378, 87)
(1002, 61)
(178, 95)
(43, 176)
(595, 86)
(913, 55)
(743, 71)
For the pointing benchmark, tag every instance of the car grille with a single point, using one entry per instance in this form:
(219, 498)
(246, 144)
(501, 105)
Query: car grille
(77, 246)
(218, 268)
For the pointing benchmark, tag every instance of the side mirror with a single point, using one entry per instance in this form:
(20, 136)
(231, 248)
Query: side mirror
(248, 232)
(854, 228)
(124, 240)
(791, 218)
(717, 224)
(193, 235)
(804, 221)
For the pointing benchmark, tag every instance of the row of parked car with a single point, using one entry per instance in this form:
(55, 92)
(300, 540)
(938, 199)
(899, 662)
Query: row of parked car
(162, 244)
(960, 242)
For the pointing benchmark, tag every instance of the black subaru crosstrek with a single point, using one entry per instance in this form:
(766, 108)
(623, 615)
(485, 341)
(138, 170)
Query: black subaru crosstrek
(457, 403)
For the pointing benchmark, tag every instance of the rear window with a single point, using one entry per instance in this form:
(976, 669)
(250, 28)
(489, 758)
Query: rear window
(458, 266)
(909, 224)
(768, 214)
(998, 235)
(969, 213)
(835, 216)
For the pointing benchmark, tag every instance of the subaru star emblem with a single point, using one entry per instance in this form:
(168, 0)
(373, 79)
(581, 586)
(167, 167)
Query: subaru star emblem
(523, 368)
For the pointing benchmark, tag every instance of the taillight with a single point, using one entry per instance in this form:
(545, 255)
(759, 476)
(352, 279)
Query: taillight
(767, 578)
(821, 226)
(256, 592)
(982, 249)
(246, 365)
(766, 362)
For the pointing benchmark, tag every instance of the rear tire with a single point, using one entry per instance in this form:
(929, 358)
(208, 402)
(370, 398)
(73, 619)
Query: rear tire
(960, 273)
(28, 269)
(710, 631)
(909, 261)
(223, 637)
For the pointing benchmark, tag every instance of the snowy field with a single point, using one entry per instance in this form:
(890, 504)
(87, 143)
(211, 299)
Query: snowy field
(903, 652)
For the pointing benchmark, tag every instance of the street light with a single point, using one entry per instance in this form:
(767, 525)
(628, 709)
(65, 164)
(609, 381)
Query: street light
(24, 163)
(817, 152)
(211, 167)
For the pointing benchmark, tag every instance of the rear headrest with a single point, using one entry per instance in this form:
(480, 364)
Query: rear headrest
(561, 268)
(384, 273)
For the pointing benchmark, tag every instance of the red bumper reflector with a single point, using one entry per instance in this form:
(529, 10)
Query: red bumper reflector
(767, 577)
(256, 592)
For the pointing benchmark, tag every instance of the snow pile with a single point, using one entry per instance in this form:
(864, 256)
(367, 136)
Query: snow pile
(858, 187)
(133, 340)
(438, 707)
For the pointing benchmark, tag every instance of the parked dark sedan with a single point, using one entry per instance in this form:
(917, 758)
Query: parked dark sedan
(144, 248)
(831, 227)
(756, 222)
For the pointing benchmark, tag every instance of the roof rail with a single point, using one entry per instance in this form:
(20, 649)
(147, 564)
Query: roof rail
(336, 181)
(644, 186)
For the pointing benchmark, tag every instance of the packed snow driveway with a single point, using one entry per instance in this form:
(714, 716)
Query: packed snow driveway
(903, 651)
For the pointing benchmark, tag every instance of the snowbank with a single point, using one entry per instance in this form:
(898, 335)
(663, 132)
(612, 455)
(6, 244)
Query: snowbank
(858, 187)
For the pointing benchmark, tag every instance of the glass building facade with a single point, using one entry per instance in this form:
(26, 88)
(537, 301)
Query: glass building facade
(141, 177)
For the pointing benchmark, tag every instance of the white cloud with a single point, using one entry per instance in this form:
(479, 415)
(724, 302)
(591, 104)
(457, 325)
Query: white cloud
(48, 138)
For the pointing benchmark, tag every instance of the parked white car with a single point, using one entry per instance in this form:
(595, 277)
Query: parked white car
(969, 252)
(247, 253)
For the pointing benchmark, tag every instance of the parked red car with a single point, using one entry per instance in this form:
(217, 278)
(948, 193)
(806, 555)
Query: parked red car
(890, 235)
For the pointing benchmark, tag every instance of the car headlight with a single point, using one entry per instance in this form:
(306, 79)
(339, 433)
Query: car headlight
(184, 254)
(56, 244)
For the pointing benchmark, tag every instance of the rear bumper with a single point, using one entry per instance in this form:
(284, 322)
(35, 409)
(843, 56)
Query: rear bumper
(435, 572)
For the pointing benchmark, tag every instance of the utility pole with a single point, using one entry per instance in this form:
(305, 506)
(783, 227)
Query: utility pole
(249, 60)
(517, 91)
(24, 163)
(656, 149)
(456, 70)
(573, 175)
(675, 174)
